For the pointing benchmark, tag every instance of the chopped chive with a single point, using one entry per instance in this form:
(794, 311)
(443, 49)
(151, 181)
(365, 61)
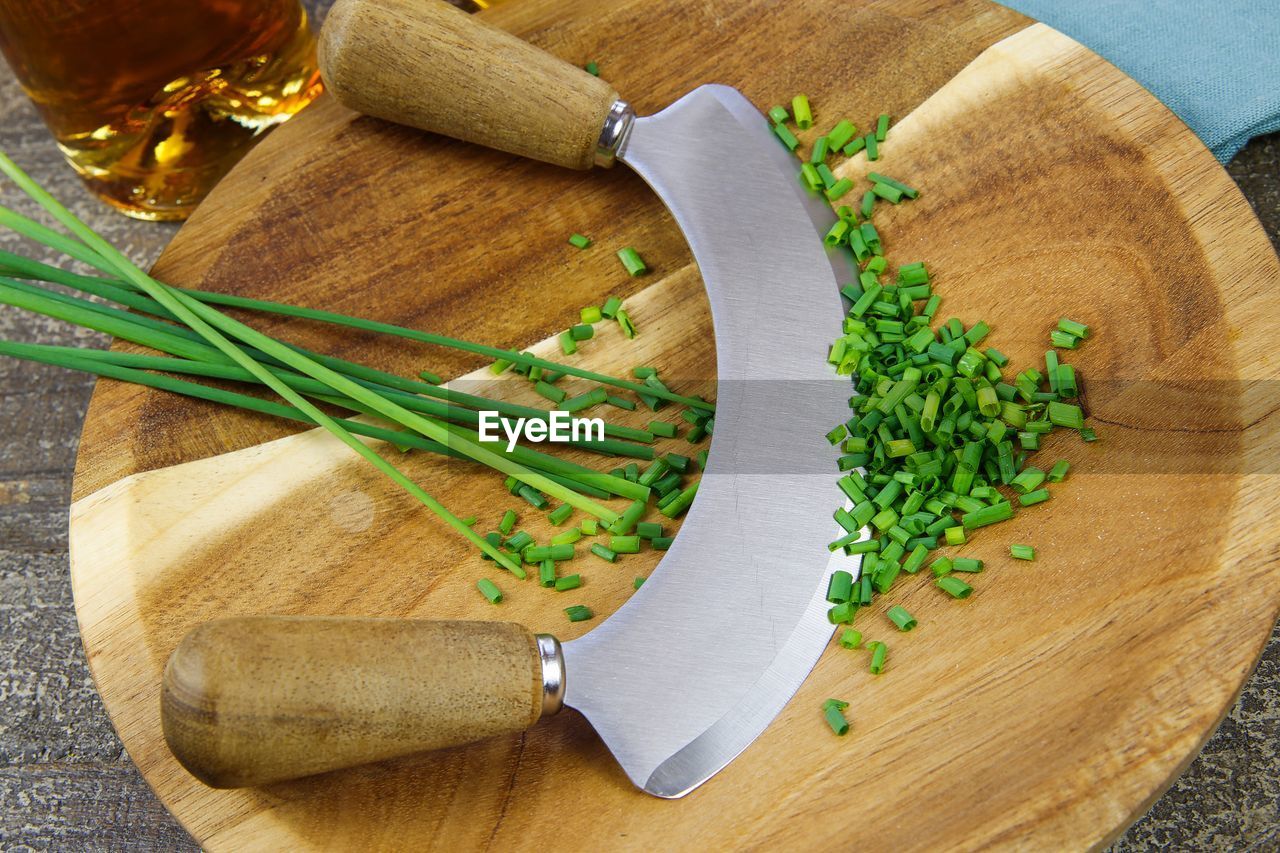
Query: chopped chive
(888, 193)
(876, 177)
(839, 188)
(840, 587)
(1002, 511)
(839, 135)
(519, 541)
(429, 377)
(632, 261)
(800, 109)
(788, 138)
(592, 68)
(582, 332)
(579, 241)
(941, 566)
(899, 616)
(662, 543)
(778, 114)
(955, 535)
(1063, 340)
(489, 590)
(649, 530)
(854, 147)
(1066, 415)
(882, 127)
(500, 366)
(621, 403)
(1031, 498)
(589, 527)
(568, 582)
(663, 429)
(850, 639)
(819, 153)
(680, 503)
(610, 309)
(1022, 552)
(873, 150)
(835, 719)
(624, 544)
(508, 522)
(954, 587)
(1058, 472)
(1071, 327)
(967, 565)
(604, 553)
(624, 320)
(567, 537)
(578, 612)
(810, 178)
(560, 514)
(1087, 434)
(547, 573)
(842, 613)
(551, 392)
(1029, 479)
(567, 344)
(868, 204)
(878, 655)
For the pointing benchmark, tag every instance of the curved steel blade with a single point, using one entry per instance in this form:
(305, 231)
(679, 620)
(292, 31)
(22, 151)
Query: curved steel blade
(689, 671)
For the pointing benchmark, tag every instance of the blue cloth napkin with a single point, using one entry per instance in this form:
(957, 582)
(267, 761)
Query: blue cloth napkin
(1216, 63)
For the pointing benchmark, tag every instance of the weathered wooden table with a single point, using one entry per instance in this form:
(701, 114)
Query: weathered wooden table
(66, 782)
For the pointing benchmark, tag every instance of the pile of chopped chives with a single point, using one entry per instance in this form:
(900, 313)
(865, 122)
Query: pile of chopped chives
(941, 427)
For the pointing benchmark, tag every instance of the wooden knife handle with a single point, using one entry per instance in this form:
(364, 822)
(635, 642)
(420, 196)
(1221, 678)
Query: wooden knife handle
(254, 700)
(428, 64)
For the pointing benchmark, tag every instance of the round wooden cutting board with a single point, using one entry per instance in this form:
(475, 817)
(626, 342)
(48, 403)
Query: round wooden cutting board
(1045, 712)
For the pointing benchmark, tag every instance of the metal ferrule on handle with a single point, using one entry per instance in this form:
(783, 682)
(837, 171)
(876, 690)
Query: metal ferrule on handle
(553, 675)
(617, 124)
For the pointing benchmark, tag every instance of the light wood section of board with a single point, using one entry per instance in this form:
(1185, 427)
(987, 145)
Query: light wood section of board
(1046, 711)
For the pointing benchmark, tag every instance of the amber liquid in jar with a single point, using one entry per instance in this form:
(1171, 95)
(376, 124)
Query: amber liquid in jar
(152, 101)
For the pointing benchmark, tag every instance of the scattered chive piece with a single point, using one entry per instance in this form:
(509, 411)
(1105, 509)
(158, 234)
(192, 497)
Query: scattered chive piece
(1022, 552)
(1058, 472)
(983, 516)
(1063, 340)
(778, 114)
(839, 135)
(429, 377)
(968, 565)
(590, 314)
(800, 109)
(620, 403)
(604, 553)
(878, 655)
(835, 719)
(499, 366)
(888, 193)
(580, 241)
(1066, 415)
(1030, 498)
(624, 320)
(854, 147)
(589, 527)
(489, 590)
(882, 127)
(840, 587)
(876, 177)
(1071, 327)
(819, 153)
(560, 514)
(624, 544)
(788, 138)
(873, 150)
(839, 188)
(637, 583)
(842, 612)
(567, 344)
(954, 587)
(868, 204)
(578, 613)
(547, 573)
(632, 261)
(941, 567)
(899, 616)
(592, 69)
(850, 638)
(582, 332)
(955, 535)
(551, 392)
(1087, 434)
(610, 309)
(662, 543)
(649, 530)
(567, 537)
(568, 582)
(508, 522)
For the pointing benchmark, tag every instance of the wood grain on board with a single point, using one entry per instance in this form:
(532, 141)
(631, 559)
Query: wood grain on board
(1048, 709)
